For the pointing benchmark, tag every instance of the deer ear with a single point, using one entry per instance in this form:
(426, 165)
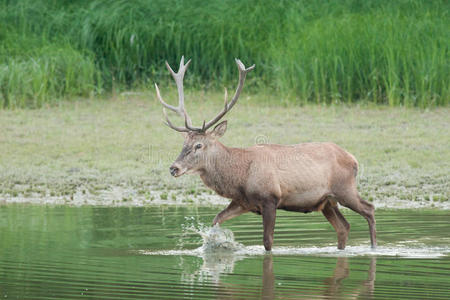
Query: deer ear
(220, 129)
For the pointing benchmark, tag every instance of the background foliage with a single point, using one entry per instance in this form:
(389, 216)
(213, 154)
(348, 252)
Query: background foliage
(381, 51)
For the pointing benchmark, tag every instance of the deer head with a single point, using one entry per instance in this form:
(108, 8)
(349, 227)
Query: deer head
(200, 145)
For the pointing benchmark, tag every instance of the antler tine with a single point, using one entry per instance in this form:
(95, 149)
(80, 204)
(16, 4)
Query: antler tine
(192, 128)
(226, 98)
(242, 74)
(178, 77)
(158, 94)
(168, 123)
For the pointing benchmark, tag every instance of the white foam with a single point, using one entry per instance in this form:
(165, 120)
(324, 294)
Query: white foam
(329, 251)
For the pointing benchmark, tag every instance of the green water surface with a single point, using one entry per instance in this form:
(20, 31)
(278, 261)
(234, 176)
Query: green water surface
(65, 252)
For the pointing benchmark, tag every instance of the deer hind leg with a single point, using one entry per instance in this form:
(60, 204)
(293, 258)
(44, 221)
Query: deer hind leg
(337, 220)
(365, 209)
(368, 212)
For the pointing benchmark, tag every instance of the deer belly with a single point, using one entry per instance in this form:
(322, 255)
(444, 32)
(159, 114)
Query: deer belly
(305, 201)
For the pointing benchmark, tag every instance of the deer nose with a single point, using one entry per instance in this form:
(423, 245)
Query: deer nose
(173, 170)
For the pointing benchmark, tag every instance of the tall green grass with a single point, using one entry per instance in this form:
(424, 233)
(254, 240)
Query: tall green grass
(390, 52)
(34, 72)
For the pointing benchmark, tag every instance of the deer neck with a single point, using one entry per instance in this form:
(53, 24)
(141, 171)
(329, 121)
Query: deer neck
(225, 170)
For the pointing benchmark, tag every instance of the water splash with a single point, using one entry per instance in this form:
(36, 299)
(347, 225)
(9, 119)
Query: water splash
(219, 244)
(218, 251)
(219, 239)
(214, 239)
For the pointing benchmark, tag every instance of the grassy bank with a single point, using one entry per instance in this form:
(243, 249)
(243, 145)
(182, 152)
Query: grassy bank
(118, 150)
(391, 52)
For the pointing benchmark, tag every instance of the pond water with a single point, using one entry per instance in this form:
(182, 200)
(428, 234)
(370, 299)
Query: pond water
(171, 252)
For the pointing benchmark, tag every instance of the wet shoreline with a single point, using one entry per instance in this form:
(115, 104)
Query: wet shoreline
(128, 198)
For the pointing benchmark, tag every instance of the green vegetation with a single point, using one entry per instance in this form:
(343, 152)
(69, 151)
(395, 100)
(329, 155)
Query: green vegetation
(390, 52)
(118, 149)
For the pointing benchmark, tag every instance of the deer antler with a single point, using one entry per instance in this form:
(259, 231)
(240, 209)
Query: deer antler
(178, 77)
(242, 74)
(180, 109)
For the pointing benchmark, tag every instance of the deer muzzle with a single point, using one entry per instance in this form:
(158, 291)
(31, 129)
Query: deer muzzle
(176, 170)
(173, 170)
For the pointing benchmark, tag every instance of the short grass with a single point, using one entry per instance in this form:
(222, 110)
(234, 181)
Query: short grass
(91, 146)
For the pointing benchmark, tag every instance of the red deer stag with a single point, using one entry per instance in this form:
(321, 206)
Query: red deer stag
(261, 179)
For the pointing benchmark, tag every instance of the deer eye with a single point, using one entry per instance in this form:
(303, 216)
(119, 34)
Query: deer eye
(198, 146)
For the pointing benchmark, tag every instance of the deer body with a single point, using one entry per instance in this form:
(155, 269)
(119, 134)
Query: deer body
(261, 179)
(299, 176)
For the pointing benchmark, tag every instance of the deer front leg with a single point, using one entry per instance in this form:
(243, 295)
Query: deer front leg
(232, 210)
(269, 213)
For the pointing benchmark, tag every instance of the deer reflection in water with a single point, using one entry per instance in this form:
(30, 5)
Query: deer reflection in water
(332, 287)
(335, 284)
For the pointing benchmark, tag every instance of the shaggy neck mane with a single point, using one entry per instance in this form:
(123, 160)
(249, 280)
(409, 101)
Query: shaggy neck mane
(226, 170)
